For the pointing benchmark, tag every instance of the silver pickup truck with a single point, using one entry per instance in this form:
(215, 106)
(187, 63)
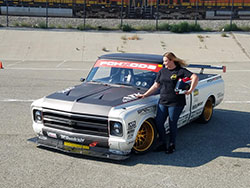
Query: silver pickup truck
(102, 116)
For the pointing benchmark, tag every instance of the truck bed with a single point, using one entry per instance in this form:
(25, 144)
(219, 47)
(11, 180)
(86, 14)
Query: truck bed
(205, 76)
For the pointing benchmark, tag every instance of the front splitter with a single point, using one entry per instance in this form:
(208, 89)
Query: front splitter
(91, 151)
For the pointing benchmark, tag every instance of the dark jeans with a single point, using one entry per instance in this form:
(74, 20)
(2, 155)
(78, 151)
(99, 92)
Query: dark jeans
(163, 112)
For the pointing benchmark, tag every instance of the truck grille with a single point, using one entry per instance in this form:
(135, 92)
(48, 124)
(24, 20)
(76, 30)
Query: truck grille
(76, 123)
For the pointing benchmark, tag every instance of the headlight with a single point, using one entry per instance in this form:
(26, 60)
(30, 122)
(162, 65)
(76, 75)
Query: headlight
(38, 116)
(116, 129)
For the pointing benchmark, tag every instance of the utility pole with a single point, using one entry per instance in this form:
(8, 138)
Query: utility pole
(46, 13)
(157, 15)
(84, 16)
(231, 20)
(121, 13)
(196, 11)
(7, 13)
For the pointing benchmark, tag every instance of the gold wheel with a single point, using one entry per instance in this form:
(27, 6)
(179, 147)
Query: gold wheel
(145, 137)
(208, 110)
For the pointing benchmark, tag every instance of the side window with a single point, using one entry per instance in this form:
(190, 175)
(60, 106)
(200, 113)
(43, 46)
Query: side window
(144, 78)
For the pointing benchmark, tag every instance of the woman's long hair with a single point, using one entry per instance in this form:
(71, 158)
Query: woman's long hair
(177, 61)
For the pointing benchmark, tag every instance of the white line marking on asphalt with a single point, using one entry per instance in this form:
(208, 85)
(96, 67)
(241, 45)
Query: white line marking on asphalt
(17, 100)
(18, 62)
(245, 87)
(60, 64)
(237, 102)
(49, 69)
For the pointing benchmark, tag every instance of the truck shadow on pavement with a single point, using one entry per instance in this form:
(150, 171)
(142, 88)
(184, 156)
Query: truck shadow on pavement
(226, 135)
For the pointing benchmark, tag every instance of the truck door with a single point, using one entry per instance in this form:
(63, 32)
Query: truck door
(184, 117)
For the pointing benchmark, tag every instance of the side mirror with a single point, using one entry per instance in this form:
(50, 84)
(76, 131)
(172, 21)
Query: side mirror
(82, 79)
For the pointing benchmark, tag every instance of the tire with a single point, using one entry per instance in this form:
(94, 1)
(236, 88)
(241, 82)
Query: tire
(207, 112)
(146, 138)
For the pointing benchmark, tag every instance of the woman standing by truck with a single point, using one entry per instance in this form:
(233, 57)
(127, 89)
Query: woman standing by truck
(170, 103)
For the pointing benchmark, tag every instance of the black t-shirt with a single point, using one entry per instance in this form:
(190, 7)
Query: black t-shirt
(167, 80)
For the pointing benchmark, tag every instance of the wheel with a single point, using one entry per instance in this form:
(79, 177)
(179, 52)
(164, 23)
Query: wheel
(146, 138)
(207, 111)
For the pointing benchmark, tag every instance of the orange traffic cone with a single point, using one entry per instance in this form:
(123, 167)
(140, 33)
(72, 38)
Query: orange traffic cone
(1, 65)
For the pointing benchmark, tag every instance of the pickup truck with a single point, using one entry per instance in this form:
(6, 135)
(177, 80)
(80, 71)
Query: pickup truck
(103, 117)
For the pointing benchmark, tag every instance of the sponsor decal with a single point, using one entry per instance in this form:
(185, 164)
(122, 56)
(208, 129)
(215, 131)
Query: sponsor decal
(173, 77)
(129, 65)
(213, 79)
(72, 138)
(52, 135)
(197, 105)
(130, 97)
(196, 113)
(131, 129)
(183, 119)
(131, 125)
(196, 92)
(219, 95)
(146, 110)
(76, 148)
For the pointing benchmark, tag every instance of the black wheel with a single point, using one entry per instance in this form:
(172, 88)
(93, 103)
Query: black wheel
(207, 111)
(146, 138)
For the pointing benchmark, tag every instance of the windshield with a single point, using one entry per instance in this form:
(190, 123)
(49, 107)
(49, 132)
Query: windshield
(124, 73)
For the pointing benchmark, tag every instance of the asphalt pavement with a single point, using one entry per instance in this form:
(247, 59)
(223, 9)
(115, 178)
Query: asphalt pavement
(39, 62)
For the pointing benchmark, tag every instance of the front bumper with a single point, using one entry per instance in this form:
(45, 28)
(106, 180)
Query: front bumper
(76, 148)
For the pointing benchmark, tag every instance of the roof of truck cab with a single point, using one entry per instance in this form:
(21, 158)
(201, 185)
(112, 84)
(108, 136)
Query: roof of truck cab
(145, 58)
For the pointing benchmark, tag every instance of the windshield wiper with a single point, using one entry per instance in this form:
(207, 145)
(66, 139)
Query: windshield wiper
(126, 84)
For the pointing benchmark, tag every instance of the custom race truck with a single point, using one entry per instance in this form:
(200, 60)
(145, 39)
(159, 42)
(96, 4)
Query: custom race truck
(103, 117)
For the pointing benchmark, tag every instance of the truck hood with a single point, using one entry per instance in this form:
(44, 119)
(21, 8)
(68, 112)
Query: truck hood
(90, 98)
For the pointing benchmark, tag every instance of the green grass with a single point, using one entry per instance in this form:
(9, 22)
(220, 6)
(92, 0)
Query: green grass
(245, 28)
(127, 28)
(24, 24)
(69, 26)
(182, 27)
(232, 27)
(145, 28)
(185, 27)
(81, 27)
(42, 25)
(164, 27)
(16, 24)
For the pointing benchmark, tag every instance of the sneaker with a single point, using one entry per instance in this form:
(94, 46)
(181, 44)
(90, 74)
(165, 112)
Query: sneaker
(170, 149)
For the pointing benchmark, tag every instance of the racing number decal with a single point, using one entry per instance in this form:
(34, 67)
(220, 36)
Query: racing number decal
(131, 65)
